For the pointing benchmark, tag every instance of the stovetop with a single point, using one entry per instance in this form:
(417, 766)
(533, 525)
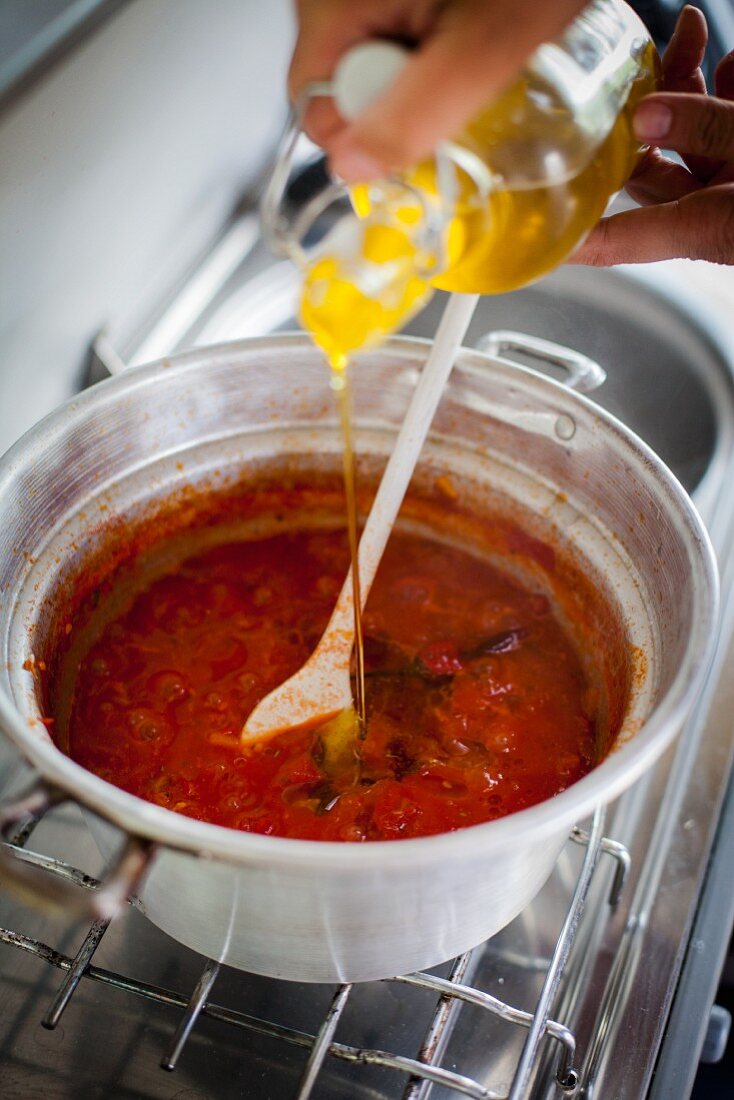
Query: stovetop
(572, 970)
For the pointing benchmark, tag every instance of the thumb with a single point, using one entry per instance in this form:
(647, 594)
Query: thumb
(688, 123)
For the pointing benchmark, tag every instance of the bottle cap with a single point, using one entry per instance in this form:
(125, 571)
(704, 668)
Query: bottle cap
(364, 73)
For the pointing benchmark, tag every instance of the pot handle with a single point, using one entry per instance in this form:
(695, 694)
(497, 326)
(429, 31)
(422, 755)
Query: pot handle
(31, 883)
(582, 374)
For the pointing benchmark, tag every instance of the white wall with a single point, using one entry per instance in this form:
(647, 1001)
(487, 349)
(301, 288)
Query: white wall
(117, 169)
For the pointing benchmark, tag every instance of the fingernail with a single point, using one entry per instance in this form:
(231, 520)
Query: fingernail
(354, 166)
(652, 121)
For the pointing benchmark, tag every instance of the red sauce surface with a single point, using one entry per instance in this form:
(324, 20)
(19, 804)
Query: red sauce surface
(477, 703)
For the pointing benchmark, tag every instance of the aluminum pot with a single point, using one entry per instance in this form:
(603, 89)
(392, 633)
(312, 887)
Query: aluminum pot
(326, 912)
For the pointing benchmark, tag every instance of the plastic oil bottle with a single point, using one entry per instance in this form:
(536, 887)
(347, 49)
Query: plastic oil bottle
(497, 207)
(503, 203)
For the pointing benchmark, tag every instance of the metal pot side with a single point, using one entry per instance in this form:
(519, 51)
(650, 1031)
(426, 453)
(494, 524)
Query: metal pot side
(329, 912)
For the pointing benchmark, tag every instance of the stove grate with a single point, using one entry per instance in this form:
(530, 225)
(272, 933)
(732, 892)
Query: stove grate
(421, 1072)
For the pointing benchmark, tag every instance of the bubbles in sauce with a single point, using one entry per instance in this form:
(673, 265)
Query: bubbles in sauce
(477, 704)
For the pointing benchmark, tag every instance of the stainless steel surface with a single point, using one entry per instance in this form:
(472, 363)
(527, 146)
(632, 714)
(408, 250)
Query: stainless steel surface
(581, 373)
(119, 169)
(407, 1075)
(521, 447)
(36, 34)
(60, 895)
(670, 377)
(664, 332)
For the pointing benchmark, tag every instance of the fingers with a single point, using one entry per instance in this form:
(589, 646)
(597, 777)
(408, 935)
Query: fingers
(684, 54)
(691, 221)
(326, 30)
(321, 121)
(694, 124)
(474, 50)
(698, 227)
(681, 65)
(724, 85)
(724, 77)
(659, 179)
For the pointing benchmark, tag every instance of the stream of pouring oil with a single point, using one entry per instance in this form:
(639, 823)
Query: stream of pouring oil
(342, 319)
(340, 385)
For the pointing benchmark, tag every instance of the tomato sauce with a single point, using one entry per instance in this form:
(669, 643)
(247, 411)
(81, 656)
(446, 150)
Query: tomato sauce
(477, 703)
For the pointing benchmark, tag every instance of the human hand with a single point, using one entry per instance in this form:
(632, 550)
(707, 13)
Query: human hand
(466, 52)
(686, 211)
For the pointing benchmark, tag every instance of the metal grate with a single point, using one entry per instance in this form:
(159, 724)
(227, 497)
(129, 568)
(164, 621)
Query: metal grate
(420, 1073)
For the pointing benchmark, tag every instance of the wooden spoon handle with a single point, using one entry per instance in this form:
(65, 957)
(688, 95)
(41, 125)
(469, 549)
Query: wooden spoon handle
(399, 470)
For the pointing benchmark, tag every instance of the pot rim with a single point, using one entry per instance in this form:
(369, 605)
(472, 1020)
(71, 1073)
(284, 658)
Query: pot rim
(625, 763)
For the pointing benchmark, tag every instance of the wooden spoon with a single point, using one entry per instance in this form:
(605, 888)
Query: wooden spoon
(322, 688)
